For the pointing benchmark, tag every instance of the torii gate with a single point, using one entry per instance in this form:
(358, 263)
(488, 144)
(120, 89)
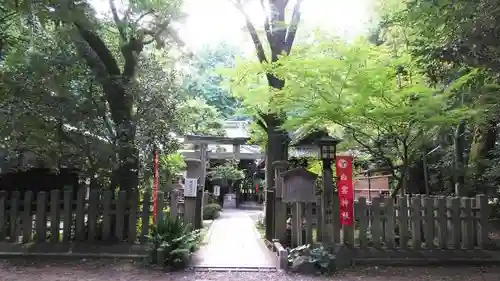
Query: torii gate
(197, 160)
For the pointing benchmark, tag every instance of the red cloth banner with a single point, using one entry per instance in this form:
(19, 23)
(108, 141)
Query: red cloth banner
(256, 188)
(343, 168)
(155, 182)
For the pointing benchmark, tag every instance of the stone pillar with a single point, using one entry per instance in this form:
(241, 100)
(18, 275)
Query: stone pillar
(327, 203)
(192, 171)
(279, 205)
(202, 172)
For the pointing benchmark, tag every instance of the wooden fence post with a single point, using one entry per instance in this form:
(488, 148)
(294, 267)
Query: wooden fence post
(456, 229)
(442, 224)
(389, 212)
(145, 215)
(403, 216)
(41, 221)
(3, 199)
(120, 215)
(376, 226)
(14, 213)
(80, 215)
(55, 197)
(482, 227)
(174, 205)
(27, 219)
(133, 205)
(106, 214)
(92, 214)
(416, 220)
(67, 215)
(428, 204)
(361, 212)
(467, 224)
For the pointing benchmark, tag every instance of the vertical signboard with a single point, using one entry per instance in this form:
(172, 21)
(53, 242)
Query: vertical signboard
(191, 187)
(345, 188)
(216, 190)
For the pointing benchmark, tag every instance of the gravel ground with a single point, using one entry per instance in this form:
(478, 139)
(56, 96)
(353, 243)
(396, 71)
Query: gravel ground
(90, 270)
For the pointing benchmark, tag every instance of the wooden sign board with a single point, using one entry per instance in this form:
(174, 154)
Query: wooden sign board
(191, 187)
(299, 186)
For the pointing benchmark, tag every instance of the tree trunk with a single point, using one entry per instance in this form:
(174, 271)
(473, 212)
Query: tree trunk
(276, 149)
(115, 84)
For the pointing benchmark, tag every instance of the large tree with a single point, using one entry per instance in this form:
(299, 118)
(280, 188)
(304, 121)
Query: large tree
(280, 37)
(141, 24)
(107, 88)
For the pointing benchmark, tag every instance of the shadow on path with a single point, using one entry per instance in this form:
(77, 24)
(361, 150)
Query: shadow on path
(234, 242)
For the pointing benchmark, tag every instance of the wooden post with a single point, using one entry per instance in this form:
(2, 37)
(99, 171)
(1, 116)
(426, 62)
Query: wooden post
(362, 213)
(133, 204)
(404, 229)
(41, 217)
(376, 222)
(198, 214)
(3, 200)
(456, 229)
(270, 214)
(327, 206)
(484, 212)
(442, 224)
(201, 184)
(279, 206)
(67, 216)
(92, 214)
(27, 219)
(14, 213)
(416, 220)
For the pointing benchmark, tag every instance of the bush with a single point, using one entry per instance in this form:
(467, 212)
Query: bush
(211, 211)
(177, 240)
(309, 259)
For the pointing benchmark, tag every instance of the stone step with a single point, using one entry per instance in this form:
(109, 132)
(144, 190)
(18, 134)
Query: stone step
(235, 269)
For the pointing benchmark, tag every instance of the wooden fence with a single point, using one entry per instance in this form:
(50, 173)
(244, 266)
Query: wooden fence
(60, 217)
(418, 222)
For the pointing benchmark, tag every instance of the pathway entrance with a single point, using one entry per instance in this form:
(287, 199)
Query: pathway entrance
(234, 243)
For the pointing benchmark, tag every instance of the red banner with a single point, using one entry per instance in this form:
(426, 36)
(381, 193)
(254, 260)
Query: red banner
(256, 188)
(346, 189)
(155, 182)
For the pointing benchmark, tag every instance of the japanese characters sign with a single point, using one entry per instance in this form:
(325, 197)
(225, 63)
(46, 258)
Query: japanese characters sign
(216, 190)
(190, 187)
(345, 188)
(299, 186)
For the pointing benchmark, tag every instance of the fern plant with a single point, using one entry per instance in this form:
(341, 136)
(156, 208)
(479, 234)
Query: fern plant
(177, 240)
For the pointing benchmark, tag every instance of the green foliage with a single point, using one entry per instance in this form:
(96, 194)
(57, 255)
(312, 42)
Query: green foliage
(205, 82)
(318, 256)
(177, 240)
(170, 165)
(199, 118)
(211, 211)
(227, 172)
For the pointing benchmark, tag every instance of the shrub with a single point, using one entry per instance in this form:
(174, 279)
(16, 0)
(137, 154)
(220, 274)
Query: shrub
(309, 259)
(211, 211)
(177, 240)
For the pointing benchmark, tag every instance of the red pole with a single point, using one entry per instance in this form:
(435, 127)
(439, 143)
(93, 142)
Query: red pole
(155, 182)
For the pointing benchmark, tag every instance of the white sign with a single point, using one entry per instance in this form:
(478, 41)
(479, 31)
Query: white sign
(190, 188)
(216, 190)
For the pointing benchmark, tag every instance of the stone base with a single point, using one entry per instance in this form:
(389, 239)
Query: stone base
(229, 201)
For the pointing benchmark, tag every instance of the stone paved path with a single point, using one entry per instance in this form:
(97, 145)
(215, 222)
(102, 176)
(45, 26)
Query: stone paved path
(234, 243)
